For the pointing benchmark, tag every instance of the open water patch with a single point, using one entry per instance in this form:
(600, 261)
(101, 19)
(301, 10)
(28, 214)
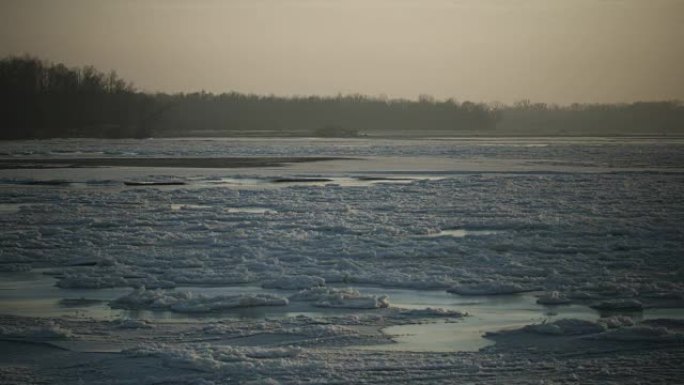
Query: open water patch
(35, 294)
(485, 313)
(462, 233)
(232, 210)
(10, 208)
(310, 181)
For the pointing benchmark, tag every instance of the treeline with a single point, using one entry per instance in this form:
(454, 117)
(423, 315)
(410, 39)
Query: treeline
(41, 100)
(321, 116)
(651, 118)
(44, 100)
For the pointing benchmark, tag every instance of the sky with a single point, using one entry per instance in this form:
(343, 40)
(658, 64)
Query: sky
(555, 51)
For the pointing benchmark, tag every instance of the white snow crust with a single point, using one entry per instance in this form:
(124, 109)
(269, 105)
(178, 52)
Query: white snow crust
(341, 298)
(620, 304)
(187, 302)
(591, 221)
(489, 288)
(566, 327)
(553, 298)
(642, 333)
(49, 331)
(296, 282)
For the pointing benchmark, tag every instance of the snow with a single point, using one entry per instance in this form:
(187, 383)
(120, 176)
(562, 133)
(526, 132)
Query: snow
(591, 221)
(489, 288)
(621, 304)
(187, 302)
(296, 282)
(327, 331)
(49, 331)
(615, 328)
(80, 281)
(642, 333)
(85, 281)
(431, 312)
(15, 267)
(617, 321)
(553, 298)
(567, 327)
(314, 233)
(133, 324)
(208, 358)
(341, 298)
(354, 301)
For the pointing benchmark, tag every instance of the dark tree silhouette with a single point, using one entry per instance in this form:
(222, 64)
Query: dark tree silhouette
(645, 118)
(44, 100)
(41, 99)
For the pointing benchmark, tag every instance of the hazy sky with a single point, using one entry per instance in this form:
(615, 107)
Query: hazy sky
(484, 50)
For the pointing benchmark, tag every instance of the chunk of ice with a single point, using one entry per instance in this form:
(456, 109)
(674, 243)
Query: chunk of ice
(294, 282)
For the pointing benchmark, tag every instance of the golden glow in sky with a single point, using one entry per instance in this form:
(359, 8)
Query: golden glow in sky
(484, 50)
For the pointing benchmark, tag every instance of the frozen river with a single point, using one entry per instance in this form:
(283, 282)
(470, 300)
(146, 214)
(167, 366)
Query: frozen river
(387, 248)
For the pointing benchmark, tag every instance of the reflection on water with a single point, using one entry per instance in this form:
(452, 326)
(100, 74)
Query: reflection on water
(434, 337)
(35, 294)
(486, 313)
(8, 208)
(243, 210)
(313, 180)
(188, 206)
(149, 177)
(462, 233)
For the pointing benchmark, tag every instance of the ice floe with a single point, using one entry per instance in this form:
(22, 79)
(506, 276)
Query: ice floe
(187, 302)
(642, 333)
(14, 267)
(48, 331)
(133, 324)
(619, 305)
(85, 281)
(431, 312)
(566, 327)
(341, 298)
(553, 298)
(596, 222)
(210, 358)
(295, 282)
(489, 288)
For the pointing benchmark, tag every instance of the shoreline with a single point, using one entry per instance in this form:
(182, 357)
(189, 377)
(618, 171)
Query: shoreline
(224, 162)
(407, 136)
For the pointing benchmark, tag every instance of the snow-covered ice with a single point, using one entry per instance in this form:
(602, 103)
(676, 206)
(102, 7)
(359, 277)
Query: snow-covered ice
(251, 275)
(187, 302)
(553, 298)
(295, 282)
(341, 298)
(489, 288)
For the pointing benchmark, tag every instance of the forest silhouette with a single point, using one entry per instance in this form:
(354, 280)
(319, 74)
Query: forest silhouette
(46, 100)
